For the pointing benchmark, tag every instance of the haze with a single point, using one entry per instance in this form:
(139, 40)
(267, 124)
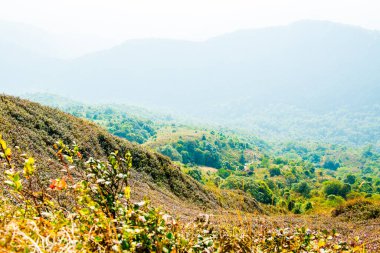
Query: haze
(276, 68)
(120, 20)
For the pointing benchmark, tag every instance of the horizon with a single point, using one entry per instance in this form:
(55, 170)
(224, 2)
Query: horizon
(82, 46)
(86, 26)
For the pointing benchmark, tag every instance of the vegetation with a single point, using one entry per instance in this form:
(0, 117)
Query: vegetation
(36, 128)
(192, 146)
(213, 170)
(116, 122)
(358, 210)
(92, 212)
(296, 176)
(285, 180)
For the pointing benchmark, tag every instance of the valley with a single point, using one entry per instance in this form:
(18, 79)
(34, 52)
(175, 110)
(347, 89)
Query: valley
(224, 172)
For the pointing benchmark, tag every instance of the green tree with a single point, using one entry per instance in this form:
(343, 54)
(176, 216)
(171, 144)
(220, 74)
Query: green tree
(274, 172)
(336, 188)
(196, 174)
(350, 179)
(303, 188)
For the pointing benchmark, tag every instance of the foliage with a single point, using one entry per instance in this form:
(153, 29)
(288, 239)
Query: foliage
(358, 210)
(336, 188)
(194, 146)
(196, 174)
(331, 165)
(274, 171)
(93, 213)
(223, 173)
(303, 188)
(257, 188)
(116, 122)
(35, 128)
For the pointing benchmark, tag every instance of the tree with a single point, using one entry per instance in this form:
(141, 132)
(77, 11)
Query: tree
(260, 191)
(303, 188)
(336, 188)
(350, 179)
(331, 165)
(223, 173)
(171, 152)
(242, 158)
(264, 162)
(196, 174)
(274, 172)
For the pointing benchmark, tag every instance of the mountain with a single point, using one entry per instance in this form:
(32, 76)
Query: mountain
(49, 44)
(316, 67)
(311, 64)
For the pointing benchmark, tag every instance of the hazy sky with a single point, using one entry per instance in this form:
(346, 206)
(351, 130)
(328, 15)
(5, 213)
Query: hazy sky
(191, 19)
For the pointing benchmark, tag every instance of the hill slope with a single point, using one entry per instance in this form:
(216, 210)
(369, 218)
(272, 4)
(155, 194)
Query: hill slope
(35, 128)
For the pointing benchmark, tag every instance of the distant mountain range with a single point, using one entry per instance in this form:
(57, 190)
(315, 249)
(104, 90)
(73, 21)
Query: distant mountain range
(313, 66)
(47, 44)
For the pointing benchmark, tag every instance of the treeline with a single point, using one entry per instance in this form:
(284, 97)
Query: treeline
(210, 149)
(116, 122)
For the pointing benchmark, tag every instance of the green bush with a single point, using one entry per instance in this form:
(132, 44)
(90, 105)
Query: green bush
(274, 172)
(303, 188)
(336, 188)
(196, 174)
(258, 189)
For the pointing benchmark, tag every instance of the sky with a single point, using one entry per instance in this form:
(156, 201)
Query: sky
(119, 20)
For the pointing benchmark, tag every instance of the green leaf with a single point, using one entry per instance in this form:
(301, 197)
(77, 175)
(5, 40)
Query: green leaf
(16, 177)
(169, 235)
(97, 239)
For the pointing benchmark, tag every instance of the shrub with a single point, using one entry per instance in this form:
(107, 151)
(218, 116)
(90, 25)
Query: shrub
(82, 215)
(196, 174)
(336, 188)
(358, 210)
(350, 179)
(274, 172)
(333, 200)
(258, 189)
(303, 188)
(308, 206)
(223, 173)
(331, 165)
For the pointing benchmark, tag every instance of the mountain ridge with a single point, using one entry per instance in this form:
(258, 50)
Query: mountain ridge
(311, 64)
